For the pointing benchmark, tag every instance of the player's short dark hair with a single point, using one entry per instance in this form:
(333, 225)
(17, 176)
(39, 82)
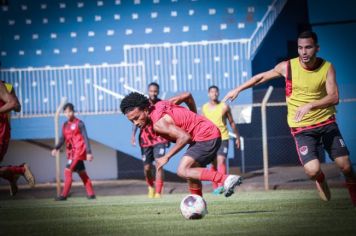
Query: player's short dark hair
(68, 105)
(308, 34)
(213, 87)
(133, 100)
(153, 84)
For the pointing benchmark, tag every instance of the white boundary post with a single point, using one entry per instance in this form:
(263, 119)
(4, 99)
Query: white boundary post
(56, 130)
(264, 136)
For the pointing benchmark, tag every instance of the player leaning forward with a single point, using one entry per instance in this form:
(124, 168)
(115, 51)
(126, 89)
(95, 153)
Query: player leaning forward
(182, 126)
(311, 94)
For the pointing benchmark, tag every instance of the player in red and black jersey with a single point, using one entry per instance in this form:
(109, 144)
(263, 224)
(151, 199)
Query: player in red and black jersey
(9, 102)
(152, 148)
(182, 126)
(78, 150)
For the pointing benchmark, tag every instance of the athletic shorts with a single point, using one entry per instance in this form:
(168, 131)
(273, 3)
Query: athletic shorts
(309, 143)
(3, 150)
(224, 147)
(149, 154)
(75, 165)
(204, 152)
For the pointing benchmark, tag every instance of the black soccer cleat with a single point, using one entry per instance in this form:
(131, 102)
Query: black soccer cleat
(61, 198)
(91, 197)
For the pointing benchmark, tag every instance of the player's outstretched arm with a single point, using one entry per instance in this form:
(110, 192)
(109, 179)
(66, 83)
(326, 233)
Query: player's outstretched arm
(185, 97)
(10, 100)
(278, 71)
(165, 127)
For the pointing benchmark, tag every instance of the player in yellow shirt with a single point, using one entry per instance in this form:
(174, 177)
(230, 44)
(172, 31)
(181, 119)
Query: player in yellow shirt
(311, 95)
(218, 112)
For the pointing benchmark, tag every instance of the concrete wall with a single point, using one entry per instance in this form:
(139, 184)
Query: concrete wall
(42, 163)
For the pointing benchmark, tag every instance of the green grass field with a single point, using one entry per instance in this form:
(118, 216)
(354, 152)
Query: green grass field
(295, 212)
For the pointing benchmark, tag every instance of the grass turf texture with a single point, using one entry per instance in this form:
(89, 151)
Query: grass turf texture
(294, 212)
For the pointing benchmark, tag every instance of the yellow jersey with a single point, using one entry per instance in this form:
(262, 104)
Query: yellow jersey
(9, 89)
(215, 115)
(305, 86)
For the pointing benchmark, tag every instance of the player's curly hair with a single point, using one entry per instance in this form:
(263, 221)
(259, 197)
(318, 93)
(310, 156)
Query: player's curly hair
(133, 100)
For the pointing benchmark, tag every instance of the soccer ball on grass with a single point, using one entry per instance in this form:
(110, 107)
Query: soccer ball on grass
(193, 207)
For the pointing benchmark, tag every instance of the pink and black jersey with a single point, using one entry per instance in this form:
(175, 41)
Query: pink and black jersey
(149, 138)
(75, 136)
(199, 128)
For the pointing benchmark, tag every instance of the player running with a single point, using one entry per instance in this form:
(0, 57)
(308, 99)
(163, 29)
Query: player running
(152, 148)
(311, 94)
(9, 102)
(182, 126)
(78, 150)
(218, 112)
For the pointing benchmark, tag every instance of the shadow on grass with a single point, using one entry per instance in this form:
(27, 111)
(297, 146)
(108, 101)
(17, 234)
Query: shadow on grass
(244, 212)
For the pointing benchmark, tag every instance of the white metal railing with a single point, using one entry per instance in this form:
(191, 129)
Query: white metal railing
(97, 89)
(193, 65)
(264, 25)
(40, 89)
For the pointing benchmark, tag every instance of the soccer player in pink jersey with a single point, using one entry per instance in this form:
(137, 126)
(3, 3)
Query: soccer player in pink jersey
(152, 147)
(182, 126)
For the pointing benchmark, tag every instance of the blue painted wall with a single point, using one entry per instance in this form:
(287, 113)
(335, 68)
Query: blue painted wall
(335, 24)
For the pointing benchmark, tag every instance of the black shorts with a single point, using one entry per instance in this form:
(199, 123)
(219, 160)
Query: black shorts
(224, 148)
(310, 141)
(204, 152)
(149, 154)
(3, 150)
(75, 165)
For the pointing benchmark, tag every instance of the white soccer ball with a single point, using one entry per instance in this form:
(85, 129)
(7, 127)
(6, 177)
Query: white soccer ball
(193, 207)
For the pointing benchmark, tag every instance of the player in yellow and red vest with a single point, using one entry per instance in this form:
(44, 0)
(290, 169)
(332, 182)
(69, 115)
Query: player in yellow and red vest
(311, 95)
(9, 102)
(78, 150)
(218, 112)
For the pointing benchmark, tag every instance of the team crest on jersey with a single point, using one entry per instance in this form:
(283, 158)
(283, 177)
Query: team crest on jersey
(303, 150)
(72, 126)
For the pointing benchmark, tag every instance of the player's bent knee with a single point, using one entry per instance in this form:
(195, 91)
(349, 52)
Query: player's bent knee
(346, 168)
(146, 168)
(182, 173)
(312, 172)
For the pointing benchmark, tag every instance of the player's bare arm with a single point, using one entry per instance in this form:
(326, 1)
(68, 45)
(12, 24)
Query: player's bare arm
(186, 98)
(167, 129)
(11, 101)
(133, 135)
(18, 107)
(233, 126)
(278, 71)
(332, 97)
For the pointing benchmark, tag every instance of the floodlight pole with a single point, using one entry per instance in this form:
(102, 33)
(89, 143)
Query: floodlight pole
(56, 131)
(264, 136)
